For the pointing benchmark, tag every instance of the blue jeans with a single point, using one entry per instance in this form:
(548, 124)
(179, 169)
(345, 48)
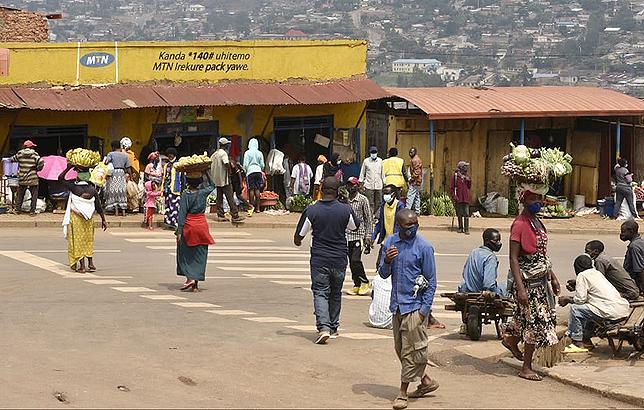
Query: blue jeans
(413, 198)
(326, 284)
(582, 322)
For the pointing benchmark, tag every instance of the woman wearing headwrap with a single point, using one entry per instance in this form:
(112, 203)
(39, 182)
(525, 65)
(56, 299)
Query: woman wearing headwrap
(534, 287)
(460, 193)
(78, 224)
(154, 170)
(172, 185)
(317, 181)
(193, 235)
(116, 186)
(126, 146)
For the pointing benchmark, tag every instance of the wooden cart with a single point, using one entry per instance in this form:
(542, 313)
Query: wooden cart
(480, 309)
(631, 330)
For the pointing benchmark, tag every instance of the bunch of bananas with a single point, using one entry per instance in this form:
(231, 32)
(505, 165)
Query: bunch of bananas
(83, 157)
(195, 162)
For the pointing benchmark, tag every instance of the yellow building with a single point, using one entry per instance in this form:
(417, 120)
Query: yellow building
(300, 96)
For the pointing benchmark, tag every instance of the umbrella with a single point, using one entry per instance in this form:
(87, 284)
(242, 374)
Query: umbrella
(54, 165)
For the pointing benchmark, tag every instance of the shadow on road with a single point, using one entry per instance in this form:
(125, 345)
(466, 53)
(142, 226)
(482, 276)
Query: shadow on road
(376, 390)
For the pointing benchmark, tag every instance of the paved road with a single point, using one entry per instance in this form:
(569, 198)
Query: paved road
(245, 341)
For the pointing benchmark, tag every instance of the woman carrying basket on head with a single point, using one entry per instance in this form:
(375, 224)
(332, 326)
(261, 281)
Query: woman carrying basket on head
(534, 288)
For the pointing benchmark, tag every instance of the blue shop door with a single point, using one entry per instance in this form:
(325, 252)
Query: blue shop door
(346, 142)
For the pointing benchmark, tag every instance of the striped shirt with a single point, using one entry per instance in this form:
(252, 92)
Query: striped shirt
(27, 160)
(360, 206)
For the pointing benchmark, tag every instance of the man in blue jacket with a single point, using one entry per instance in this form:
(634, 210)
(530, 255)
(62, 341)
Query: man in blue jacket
(409, 260)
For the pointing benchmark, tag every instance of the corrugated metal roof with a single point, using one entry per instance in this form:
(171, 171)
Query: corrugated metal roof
(9, 99)
(140, 96)
(524, 102)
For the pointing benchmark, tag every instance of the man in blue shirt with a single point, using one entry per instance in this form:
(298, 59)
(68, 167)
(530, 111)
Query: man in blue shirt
(328, 220)
(409, 260)
(480, 271)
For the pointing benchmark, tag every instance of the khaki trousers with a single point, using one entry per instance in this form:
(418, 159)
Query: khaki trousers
(410, 341)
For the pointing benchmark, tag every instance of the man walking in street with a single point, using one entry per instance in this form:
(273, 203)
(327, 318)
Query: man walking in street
(394, 170)
(220, 172)
(327, 220)
(409, 260)
(359, 239)
(634, 259)
(372, 178)
(29, 163)
(415, 181)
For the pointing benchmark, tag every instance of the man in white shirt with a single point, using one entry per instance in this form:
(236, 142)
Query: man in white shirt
(595, 302)
(301, 178)
(372, 177)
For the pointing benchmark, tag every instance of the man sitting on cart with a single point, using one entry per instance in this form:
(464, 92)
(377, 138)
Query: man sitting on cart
(595, 302)
(480, 271)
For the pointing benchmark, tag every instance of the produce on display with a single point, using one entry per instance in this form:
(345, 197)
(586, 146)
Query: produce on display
(83, 158)
(269, 195)
(442, 205)
(195, 163)
(543, 166)
(298, 203)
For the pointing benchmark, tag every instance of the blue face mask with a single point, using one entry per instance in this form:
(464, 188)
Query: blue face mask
(534, 208)
(410, 232)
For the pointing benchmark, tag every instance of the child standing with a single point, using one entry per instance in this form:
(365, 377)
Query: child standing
(152, 192)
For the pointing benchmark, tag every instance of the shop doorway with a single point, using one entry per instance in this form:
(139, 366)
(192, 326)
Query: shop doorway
(51, 140)
(188, 138)
(311, 136)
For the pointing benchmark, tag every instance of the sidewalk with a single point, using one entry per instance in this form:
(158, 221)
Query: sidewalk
(590, 225)
(617, 378)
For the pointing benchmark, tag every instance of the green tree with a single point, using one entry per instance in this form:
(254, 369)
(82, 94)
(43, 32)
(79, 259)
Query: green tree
(595, 27)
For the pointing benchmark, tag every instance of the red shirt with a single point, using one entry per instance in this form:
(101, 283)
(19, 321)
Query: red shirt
(460, 188)
(523, 232)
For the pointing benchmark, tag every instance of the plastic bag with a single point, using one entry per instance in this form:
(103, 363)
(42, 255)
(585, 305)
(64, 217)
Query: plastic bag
(98, 175)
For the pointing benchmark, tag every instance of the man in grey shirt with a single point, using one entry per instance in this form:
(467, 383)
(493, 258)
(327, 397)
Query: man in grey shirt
(623, 189)
(372, 177)
(613, 271)
(634, 259)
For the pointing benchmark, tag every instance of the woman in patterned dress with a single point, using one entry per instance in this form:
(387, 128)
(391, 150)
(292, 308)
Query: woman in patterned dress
(534, 287)
(116, 186)
(172, 185)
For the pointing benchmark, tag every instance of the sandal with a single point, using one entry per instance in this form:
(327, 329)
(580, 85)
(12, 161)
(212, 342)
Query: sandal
(532, 377)
(573, 348)
(517, 354)
(438, 325)
(400, 403)
(422, 389)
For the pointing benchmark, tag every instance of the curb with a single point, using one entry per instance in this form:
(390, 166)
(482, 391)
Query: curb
(626, 398)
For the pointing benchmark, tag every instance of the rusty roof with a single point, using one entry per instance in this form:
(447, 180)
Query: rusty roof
(519, 102)
(139, 96)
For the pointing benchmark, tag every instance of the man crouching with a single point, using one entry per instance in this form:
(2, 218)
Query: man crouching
(409, 260)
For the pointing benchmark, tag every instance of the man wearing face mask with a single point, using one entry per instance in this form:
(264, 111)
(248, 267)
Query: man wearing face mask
(480, 271)
(386, 225)
(409, 261)
(359, 239)
(372, 177)
(634, 259)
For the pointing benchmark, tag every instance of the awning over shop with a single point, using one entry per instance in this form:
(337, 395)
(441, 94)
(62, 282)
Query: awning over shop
(139, 96)
(519, 102)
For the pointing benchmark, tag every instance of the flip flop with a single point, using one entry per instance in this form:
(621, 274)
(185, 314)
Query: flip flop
(437, 326)
(517, 355)
(400, 403)
(573, 348)
(422, 390)
(533, 377)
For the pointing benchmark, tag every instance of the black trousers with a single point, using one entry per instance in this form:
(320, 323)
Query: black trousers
(228, 191)
(355, 263)
(280, 189)
(623, 192)
(33, 189)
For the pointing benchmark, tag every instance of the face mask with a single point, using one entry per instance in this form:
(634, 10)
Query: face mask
(410, 232)
(374, 156)
(494, 247)
(534, 208)
(339, 162)
(353, 189)
(388, 198)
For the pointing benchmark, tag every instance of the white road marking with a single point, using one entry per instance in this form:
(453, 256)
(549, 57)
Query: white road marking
(258, 249)
(162, 297)
(231, 312)
(170, 233)
(46, 264)
(276, 269)
(269, 319)
(364, 336)
(304, 328)
(287, 282)
(266, 255)
(220, 240)
(105, 282)
(257, 262)
(196, 305)
(133, 289)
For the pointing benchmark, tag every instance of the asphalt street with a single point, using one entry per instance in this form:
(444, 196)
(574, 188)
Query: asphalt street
(126, 337)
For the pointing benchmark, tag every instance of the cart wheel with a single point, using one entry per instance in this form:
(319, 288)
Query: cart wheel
(637, 344)
(474, 325)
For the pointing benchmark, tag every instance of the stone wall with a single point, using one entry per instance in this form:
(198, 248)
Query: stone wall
(23, 26)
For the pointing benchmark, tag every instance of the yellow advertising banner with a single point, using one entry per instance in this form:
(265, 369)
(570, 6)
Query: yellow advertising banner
(198, 61)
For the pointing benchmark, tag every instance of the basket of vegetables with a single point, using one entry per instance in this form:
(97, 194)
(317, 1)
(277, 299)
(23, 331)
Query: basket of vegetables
(82, 158)
(268, 198)
(193, 166)
(536, 166)
(298, 203)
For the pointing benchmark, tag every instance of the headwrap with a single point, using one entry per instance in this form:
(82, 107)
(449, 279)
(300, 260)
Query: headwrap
(126, 143)
(462, 167)
(526, 191)
(322, 159)
(153, 155)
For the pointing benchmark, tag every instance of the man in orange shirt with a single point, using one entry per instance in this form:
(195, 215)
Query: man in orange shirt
(415, 181)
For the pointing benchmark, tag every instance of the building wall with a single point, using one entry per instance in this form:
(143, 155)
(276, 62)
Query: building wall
(23, 26)
(203, 61)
